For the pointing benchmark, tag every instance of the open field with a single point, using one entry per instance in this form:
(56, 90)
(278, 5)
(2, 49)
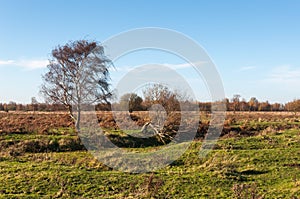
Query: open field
(258, 156)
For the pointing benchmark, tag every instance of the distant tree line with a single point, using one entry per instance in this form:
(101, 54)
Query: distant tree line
(13, 106)
(238, 104)
(44, 107)
(133, 102)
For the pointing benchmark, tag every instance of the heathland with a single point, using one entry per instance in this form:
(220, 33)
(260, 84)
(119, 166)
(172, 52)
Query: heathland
(257, 156)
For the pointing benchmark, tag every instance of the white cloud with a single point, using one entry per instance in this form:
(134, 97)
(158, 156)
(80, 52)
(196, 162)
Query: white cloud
(6, 62)
(284, 74)
(33, 64)
(29, 64)
(281, 83)
(185, 65)
(246, 68)
(172, 66)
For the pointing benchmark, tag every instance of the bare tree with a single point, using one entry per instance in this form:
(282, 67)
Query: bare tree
(77, 75)
(160, 94)
(163, 104)
(236, 102)
(293, 106)
(253, 104)
(34, 104)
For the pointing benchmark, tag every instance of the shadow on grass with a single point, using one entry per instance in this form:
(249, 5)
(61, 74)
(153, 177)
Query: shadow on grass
(128, 141)
(253, 172)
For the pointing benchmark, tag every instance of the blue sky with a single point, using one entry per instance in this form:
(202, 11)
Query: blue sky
(254, 44)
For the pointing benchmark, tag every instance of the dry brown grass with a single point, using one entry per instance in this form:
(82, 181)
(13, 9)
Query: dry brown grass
(239, 122)
(28, 122)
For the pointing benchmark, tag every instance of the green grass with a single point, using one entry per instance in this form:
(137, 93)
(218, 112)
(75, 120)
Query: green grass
(21, 137)
(266, 166)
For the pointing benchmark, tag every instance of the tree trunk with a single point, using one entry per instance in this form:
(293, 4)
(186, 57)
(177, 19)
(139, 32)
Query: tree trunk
(77, 122)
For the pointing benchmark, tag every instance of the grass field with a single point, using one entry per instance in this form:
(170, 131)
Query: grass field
(257, 157)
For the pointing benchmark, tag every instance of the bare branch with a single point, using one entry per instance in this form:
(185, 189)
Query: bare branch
(77, 75)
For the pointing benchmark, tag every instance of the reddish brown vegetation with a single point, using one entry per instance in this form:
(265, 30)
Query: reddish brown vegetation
(239, 122)
(26, 122)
